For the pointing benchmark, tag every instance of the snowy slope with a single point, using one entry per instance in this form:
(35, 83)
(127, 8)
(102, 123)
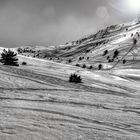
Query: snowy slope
(38, 102)
(92, 51)
(91, 48)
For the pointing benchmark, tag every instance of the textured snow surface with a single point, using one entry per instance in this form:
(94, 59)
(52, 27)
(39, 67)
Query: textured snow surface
(38, 103)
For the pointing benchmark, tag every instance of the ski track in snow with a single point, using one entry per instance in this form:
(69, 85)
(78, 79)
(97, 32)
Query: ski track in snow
(40, 103)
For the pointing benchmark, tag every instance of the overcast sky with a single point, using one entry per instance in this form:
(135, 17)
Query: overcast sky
(51, 22)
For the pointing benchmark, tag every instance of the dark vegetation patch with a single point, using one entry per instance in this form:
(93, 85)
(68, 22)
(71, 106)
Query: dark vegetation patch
(24, 63)
(74, 78)
(9, 58)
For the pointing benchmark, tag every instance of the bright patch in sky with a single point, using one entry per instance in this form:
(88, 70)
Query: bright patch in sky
(134, 4)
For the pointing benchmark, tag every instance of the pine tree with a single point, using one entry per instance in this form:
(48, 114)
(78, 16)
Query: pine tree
(9, 58)
(116, 53)
(74, 78)
(124, 61)
(100, 67)
(105, 53)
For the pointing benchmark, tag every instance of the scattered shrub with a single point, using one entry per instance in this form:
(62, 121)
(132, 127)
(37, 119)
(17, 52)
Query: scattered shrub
(97, 44)
(87, 51)
(137, 33)
(84, 66)
(24, 63)
(74, 78)
(70, 61)
(134, 41)
(100, 67)
(72, 42)
(80, 58)
(19, 50)
(109, 61)
(9, 58)
(25, 50)
(124, 61)
(91, 67)
(108, 57)
(77, 65)
(87, 58)
(116, 53)
(105, 52)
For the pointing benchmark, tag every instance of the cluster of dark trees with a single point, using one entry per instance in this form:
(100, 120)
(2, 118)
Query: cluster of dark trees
(25, 50)
(84, 66)
(115, 56)
(81, 58)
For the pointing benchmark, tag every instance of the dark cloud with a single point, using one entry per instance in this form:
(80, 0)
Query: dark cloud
(45, 22)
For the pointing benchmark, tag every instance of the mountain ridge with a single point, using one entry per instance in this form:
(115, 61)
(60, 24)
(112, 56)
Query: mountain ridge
(90, 50)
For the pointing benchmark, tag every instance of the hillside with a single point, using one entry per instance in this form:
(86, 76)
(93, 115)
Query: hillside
(39, 103)
(91, 50)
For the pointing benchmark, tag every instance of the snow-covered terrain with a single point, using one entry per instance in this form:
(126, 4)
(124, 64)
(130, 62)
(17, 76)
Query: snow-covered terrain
(37, 102)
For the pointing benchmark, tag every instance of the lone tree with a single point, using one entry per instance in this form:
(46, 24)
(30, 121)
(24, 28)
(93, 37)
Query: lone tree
(134, 41)
(84, 66)
(116, 53)
(9, 58)
(124, 61)
(100, 67)
(108, 57)
(77, 65)
(69, 60)
(24, 63)
(105, 53)
(80, 58)
(109, 61)
(91, 67)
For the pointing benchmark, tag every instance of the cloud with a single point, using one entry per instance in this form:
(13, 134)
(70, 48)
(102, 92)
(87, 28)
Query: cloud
(49, 12)
(102, 13)
(50, 22)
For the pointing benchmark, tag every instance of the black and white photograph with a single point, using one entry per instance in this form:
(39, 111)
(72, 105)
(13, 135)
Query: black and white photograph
(69, 69)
